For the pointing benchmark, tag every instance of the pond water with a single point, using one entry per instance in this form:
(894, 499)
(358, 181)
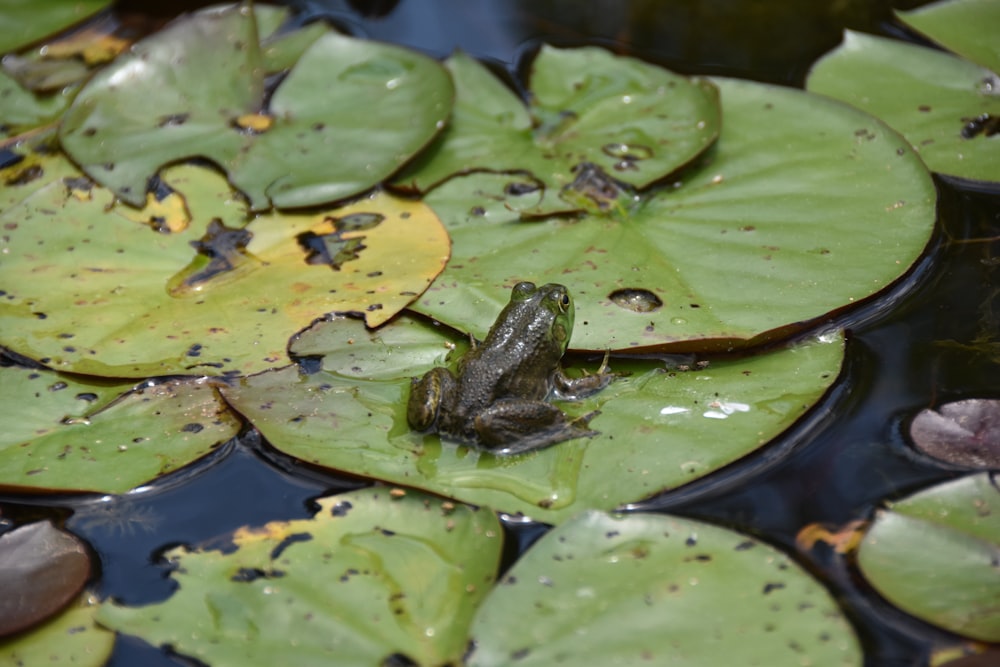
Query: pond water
(908, 349)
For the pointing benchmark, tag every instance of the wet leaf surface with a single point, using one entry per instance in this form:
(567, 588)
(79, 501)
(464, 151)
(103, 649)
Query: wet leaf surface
(646, 589)
(70, 638)
(934, 554)
(373, 574)
(69, 434)
(965, 433)
(659, 428)
(635, 121)
(349, 113)
(753, 242)
(942, 104)
(112, 295)
(965, 27)
(25, 21)
(42, 569)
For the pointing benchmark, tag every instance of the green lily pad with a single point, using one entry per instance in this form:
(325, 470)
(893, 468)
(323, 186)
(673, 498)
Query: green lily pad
(213, 298)
(65, 434)
(965, 27)
(21, 109)
(637, 121)
(372, 579)
(754, 242)
(70, 638)
(935, 553)
(659, 428)
(348, 115)
(655, 590)
(939, 102)
(25, 21)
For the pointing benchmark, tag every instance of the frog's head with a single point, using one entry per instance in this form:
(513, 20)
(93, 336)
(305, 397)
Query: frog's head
(552, 309)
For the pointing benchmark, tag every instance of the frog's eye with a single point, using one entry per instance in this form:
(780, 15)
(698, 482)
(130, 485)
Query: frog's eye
(564, 301)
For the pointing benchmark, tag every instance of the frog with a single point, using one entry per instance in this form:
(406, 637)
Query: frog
(497, 398)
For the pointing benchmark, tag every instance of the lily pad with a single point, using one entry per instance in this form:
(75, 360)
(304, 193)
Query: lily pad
(66, 434)
(965, 27)
(935, 553)
(21, 109)
(348, 115)
(659, 428)
(42, 569)
(752, 243)
(965, 432)
(217, 296)
(70, 638)
(637, 121)
(942, 104)
(25, 21)
(372, 579)
(655, 590)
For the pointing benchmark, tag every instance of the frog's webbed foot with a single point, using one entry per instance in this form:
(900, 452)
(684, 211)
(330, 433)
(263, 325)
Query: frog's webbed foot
(573, 389)
(516, 426)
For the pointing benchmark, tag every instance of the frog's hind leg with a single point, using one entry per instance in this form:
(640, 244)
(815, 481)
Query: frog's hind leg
(515, 426)
(427, 395)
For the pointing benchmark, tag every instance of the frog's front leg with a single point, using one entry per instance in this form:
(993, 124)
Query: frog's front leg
(573, 389)
(427, 394)
(514, 426)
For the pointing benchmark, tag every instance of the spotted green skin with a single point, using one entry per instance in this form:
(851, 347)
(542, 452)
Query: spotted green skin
(497, 397)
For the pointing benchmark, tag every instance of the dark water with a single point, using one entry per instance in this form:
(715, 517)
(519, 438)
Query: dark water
(908, 349)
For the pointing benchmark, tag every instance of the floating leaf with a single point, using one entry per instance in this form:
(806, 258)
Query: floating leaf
(942, 104)
(966, 27)
(42, 569)
(213, 298)
(637, 121)
(71, 638)
(656, 590)
(21, 109)
(751, 244)
(26, 21)
(349, 113)
(935, 553)
(372, 579)
(965, 433)
(73, 435)
(659, 428)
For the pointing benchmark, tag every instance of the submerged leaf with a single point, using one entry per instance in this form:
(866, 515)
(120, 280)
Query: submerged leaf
(965, 433)
(42, 569)
(659, 428)
(657, 590)
(935, 554)
(634, 121)
(375, 574)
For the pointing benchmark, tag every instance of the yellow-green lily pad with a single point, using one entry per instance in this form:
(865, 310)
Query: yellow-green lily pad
(637, 121)
(659, 428)
(348, 114)
(70, 638)
(934, 554)
(375, 578)
(60, 433)
(965, 27)
(111, 294)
